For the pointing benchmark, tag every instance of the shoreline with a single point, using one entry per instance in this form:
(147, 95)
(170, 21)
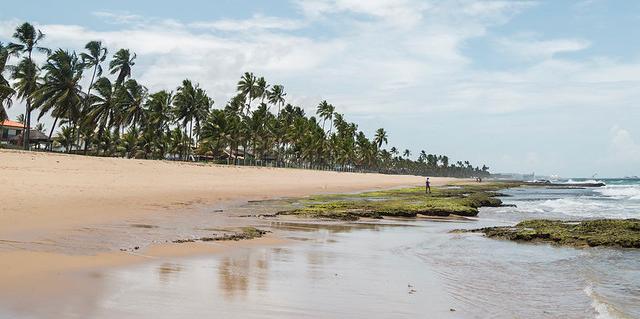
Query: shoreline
(62, 213)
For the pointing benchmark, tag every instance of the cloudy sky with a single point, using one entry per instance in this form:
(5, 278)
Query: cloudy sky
(545, 86)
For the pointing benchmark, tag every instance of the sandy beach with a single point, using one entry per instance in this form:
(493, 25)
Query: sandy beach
(66, 211)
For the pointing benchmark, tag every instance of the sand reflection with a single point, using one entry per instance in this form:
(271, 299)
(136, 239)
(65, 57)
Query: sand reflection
(240, 273)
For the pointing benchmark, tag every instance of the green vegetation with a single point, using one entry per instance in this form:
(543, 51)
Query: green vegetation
(244, 233)
(461, 200)
(602, 232)
(118, 116)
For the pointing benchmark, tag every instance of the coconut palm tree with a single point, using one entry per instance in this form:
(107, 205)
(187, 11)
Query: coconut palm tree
(380, 138)
(276, 96)
(406, 153)
(262, 88)
(122, 62)
(191, 105)
(6, 92)
(132, 102)
(158, 116)
(60, 91)
(325, 111)
(26, 82)
(27, 40)
(102, 106)
(65, 137)
(92, 59)
(203, 104)
(248, 88)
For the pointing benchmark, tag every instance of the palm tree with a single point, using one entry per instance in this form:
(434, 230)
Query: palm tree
(406, 153)
(121, 63)
(276, 96)
(380, 138)
(65, 137)
(203, 104)
(27, 40)
(60, 91)
(93, 58)
(132, 102)
(191, 105)
(102, 106)
(325, 112)
(6, 92)
(262, 88)
(26, 79)
(158, 115)
(247, 87)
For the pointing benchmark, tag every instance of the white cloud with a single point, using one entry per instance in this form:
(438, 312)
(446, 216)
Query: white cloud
(624, 148)
(257, 22)
(377, 58)
(530, 48)
(119, 17)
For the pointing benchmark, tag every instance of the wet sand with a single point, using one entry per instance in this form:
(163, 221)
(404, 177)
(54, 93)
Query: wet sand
(322, 271)
(63, 213)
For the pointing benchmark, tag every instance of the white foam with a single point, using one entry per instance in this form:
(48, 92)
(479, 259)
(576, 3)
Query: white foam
(601, 308)
(631, 192)
(591, 181)
(582, 207)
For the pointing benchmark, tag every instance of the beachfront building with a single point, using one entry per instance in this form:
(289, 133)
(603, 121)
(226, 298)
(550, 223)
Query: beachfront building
(9, 130)
(37, 139)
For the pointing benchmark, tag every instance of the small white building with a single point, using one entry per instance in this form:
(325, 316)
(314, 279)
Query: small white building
(10, 129)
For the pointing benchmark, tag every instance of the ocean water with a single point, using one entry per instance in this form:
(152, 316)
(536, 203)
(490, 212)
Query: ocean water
(380, 269)
(494, 278)
(618, 199)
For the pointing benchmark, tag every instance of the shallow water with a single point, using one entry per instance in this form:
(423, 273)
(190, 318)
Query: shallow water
(383, 269)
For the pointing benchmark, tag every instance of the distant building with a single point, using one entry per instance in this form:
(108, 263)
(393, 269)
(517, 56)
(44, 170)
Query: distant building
(36, 138)
(10, 129)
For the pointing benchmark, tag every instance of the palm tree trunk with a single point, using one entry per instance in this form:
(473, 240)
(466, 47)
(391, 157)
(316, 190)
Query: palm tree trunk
(190, 134)
(51, 133)
(27, 124)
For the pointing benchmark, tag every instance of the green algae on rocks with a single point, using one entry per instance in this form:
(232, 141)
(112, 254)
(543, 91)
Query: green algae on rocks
(461, 200)
(244, 234)
(623, 233)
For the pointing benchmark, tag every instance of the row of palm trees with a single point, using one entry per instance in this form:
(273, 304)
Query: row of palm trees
(119, 117)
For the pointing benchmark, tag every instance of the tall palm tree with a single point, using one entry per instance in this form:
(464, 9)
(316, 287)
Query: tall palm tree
(26, 82)
(406, 153)
(247, 87)
(6, 92)
(191, 105)
(325, 112)
(121, 64)
(102, 106)
(92, 59)
(276, 96)
(157, 119)
(65, 137)
(60, 91)
(132, 102)
(380, 138)
(27, 40)
(262, 88)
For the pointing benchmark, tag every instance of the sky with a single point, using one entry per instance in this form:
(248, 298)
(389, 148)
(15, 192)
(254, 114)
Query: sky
(551, 87)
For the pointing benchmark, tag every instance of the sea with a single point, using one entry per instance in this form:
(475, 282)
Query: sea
(385, 269)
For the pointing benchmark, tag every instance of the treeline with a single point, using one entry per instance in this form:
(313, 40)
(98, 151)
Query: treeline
(115, 115)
